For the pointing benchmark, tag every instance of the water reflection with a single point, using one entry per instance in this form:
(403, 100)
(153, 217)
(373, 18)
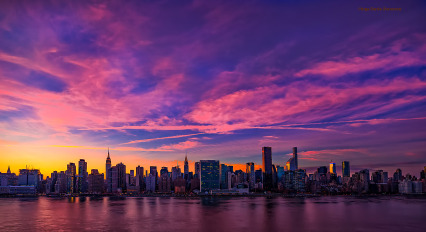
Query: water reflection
(212, 214)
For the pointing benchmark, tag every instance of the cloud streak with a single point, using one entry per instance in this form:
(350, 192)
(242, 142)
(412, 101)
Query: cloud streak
(169, 137)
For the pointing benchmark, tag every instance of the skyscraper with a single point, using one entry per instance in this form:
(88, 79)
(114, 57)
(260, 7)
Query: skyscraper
(29, 177)
(82, 176)
(164, 182)
(346, 171)
(107, 166)
(175, 173)
(267, 167)
(150, 183)
(397, 176)
(333, 168)
(154, 172)
(223, 171)
(113, 180)
(71, 173)
(267, 160)
(197, 169)
(210, 175)
(296, 164)
(139, 177)
(250, 174)
(96, 182)
(164, 170)
(292, 163)
(121, 176)
(185, 167)
(280, 173)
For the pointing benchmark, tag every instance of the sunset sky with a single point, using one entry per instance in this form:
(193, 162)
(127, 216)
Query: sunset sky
(153, 80)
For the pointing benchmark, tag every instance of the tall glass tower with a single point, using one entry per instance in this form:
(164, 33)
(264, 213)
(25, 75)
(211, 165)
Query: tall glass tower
(346, 171)
(333, 168)
(267, 167)
(210, 175)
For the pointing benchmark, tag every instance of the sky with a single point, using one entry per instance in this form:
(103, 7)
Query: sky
(155, 80)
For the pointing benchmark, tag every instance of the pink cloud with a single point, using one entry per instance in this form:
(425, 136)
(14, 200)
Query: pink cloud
(168, 137)
(182, 145)
(275, 104)
(326, 155)
(387, 61)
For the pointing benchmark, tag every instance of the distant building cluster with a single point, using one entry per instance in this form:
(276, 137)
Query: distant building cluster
(210, 177)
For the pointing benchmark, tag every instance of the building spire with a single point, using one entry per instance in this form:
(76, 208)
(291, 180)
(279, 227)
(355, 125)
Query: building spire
(8, 169)
(186, 157)
(108, 154)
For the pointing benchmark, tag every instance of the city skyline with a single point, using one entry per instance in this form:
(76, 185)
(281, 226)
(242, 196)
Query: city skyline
(154, 81)
(336, 168)
(211, 177)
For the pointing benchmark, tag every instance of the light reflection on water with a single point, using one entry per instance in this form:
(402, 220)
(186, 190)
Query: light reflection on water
(212, 214)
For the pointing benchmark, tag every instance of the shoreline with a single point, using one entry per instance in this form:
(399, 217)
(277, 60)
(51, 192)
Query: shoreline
(418, 196)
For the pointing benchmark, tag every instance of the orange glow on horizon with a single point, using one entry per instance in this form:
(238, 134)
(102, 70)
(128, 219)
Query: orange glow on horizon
(47, 159)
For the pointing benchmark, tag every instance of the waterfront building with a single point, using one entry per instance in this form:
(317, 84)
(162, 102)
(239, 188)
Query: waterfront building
(29, 177)
(8, 178)
(346, 171)
(321, 175)
(96, 182)
(294, 181)
(267, 160)
(175, 173)
(21, 190)
(300, 180)
(113, 180)
(164, 183)
(197, 169)
(397, 176)
(121, 177)
(107, 166)
(274, 177)
(267, 167)
(210, 175)
(417, 187)
(154, 172)
(186, 168)
(405, 186)
(180, 185)
(164, 170)
(61, 183)
(251, 175)
(190, 176)
(280, 173)
(364, 176)
(333, 168)
(292, 163)
(82, 176)
(71, 176)
(139, 177)
(229, 177)
(195, 184)
(223, 176)
(150, 183)
(259, 176)
(52, 181)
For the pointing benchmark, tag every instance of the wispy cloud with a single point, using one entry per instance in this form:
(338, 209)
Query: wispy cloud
(168, 137)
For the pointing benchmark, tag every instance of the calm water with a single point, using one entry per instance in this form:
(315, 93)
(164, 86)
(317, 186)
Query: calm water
(213, 214)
